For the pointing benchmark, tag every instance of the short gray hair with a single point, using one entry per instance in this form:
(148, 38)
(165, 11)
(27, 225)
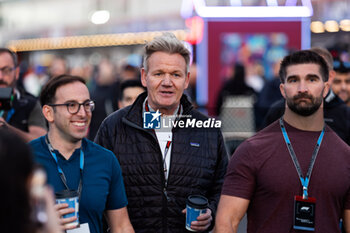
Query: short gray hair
(167, 43)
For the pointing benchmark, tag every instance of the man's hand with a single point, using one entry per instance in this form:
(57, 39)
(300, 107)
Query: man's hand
(52, 224)
(203, 221)
(2, 122)
(62, 209)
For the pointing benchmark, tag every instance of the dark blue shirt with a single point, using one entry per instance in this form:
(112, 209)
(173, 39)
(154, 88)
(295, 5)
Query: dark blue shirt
(103, 187)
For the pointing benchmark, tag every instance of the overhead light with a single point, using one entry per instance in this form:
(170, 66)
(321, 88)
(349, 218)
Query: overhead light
(331, 26)
(100, 40)
(272, 2)
(236, 3)
(272, 10)
(317, 27)
(100, 17)
(345, 25)
(254, 11)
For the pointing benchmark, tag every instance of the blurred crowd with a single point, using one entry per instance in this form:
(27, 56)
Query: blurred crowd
(248, 95)
(103, 80)
(240, 79)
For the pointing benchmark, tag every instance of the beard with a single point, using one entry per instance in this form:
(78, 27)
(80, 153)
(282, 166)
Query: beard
(304, 108)
(12, 84)
(2, 82)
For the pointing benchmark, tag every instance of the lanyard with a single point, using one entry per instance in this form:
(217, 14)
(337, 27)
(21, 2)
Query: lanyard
(9, 114)
(60, 171)
(146, 106)
(167, 146)
(166, 150)
(304, 181)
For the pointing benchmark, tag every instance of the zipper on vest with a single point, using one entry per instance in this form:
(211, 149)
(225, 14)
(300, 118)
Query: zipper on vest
(164, 184)
(166, 194)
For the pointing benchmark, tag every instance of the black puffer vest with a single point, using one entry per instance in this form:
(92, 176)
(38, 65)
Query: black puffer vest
(198, 166)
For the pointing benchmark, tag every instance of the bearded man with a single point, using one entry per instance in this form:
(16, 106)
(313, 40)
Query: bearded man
(269, 175)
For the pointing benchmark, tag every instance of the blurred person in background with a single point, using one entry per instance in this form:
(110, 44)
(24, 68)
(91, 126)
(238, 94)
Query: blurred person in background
(87, 168)
(235, 86)
(85, 71)
(162, 167)
(34, 80)
(191, 90)
(255, 75)
(105, 93)
(336, 113)
(341, 82)
(129, 91)
(268, 95)
(129, 72)
(22, 191)
(23, 116)
(58, 66)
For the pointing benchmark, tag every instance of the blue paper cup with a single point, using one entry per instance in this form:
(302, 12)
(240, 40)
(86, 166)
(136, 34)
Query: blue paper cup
(195, 205)
(70, 197)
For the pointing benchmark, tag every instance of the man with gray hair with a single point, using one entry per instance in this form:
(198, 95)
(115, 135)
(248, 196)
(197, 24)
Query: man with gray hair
(165, 152)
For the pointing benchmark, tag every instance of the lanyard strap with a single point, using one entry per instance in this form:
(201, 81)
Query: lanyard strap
(304, 181)
(146, 106)
(60, 171)
(167, 146)
(9, 114)
(166, 150)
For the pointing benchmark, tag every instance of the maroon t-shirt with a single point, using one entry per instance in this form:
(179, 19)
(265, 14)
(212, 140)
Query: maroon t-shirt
(262, 171)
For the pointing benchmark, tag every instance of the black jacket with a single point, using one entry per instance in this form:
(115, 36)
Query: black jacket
(22, 108)
(198, 165)
(336, 115)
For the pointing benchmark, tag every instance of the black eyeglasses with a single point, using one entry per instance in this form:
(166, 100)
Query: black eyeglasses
(73, 107)
(6, 70)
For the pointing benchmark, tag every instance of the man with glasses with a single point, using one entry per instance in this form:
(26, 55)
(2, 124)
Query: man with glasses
(74, 163)
(19, 111)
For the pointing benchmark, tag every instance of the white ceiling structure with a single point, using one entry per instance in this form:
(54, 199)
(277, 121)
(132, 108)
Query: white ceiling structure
(22, 19)
(25, 19)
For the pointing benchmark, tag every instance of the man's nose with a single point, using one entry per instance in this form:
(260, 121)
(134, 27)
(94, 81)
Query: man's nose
(81, 111)
(303, 87)
(167, 80)
(343, 85)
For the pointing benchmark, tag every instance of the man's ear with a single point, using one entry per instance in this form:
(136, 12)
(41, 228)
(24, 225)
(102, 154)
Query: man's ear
(187, 81)
(283, 93)
(144, 77)
(17, 73)
(326, 89)
(331, 76)
(48, 113)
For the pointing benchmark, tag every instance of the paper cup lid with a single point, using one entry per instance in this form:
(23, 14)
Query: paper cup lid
(197, 201)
